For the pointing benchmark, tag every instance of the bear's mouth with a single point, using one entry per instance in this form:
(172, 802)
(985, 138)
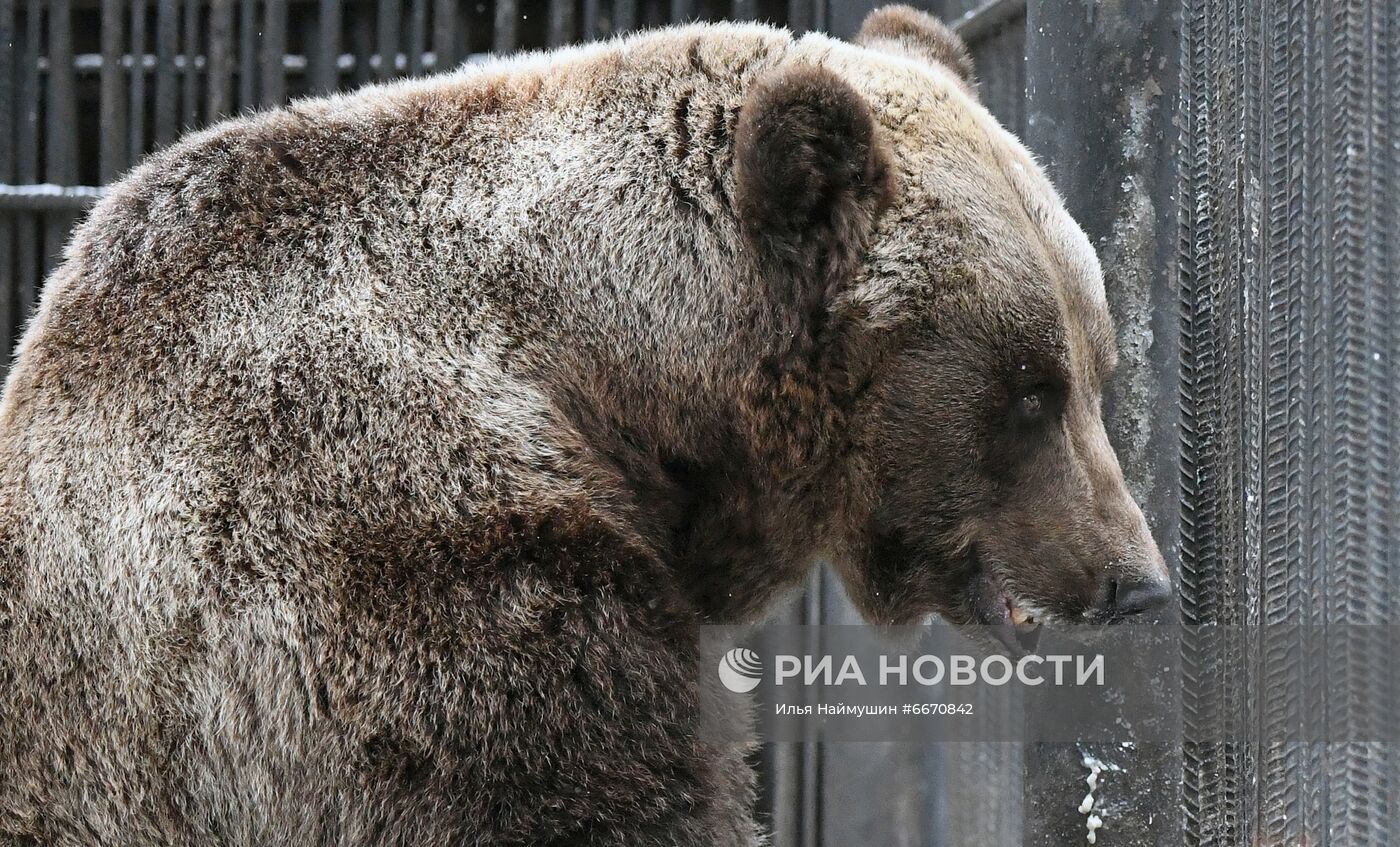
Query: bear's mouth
(1008, 621)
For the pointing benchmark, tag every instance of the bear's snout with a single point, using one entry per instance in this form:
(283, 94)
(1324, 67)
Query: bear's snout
(1126, 596)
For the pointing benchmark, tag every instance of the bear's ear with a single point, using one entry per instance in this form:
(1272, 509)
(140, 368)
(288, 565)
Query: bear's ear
(811, 174)
(905, 31)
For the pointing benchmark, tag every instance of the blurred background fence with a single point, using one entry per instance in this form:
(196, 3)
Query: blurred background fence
(1237, 164)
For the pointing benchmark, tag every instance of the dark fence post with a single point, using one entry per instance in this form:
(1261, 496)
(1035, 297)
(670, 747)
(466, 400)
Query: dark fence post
(326, 70)
(247, 53)
(189, 74)
(27, 157)
(390, 13)
(274, 52)
(561, 23)
(136, 88)
(61, 117)
(219, 93)
(417, 35)
(1101, 82)
(112, 151)
(9, 123)
(504, 39)
(444, 38)
(167, 117)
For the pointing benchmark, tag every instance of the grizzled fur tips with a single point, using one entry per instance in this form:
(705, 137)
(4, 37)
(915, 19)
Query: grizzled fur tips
(371, 463)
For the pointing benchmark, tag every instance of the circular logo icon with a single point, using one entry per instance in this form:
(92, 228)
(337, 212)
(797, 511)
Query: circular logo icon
(740, 670)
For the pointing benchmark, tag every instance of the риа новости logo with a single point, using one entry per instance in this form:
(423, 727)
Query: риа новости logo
(740, 670)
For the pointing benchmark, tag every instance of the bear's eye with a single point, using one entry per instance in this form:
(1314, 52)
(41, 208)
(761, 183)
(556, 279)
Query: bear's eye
(1035, 404)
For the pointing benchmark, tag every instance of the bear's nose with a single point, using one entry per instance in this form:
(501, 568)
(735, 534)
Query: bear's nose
(1135, 595)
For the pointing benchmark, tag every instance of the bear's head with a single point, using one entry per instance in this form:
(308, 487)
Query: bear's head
(963, 313)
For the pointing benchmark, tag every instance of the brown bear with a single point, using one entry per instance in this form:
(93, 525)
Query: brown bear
(371, 463)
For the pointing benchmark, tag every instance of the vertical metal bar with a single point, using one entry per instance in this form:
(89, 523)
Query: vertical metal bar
(799, 16)
(390, 11)
(744, 10)
(1387, 354)
(503, 36)
(9, 122)
(998, 58)
(61, 106)
(1018, 60)
(325, 76)
(27, 234)
(1284, 434)
(61, 123)
(624, 16)
(167, 93)
(683, 11)
(136, 95)
(417, 35)
(819, 595)
(1218, 399)
(247, 54)
(561, 22)
(167, 40)
(1354, 510)
(445, 33)
(1314, 239)
(1283, 284)
(111, 112)
(781, 764)
(274, 49)
(189, 76)
(218, 100)
(592, 20)
(780, 772)
(360, 26)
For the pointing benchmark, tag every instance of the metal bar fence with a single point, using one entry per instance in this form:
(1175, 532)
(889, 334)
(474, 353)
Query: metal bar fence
(1288, 221)
(9, 123)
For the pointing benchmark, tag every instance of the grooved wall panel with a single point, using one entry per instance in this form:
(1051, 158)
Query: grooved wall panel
(1287, 161)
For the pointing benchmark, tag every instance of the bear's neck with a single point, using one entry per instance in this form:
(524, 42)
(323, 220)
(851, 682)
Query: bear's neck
(733, 484)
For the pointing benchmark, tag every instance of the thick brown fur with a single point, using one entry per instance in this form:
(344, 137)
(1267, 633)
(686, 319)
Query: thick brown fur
(810, 171)
(371, 463)
(904, 29)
